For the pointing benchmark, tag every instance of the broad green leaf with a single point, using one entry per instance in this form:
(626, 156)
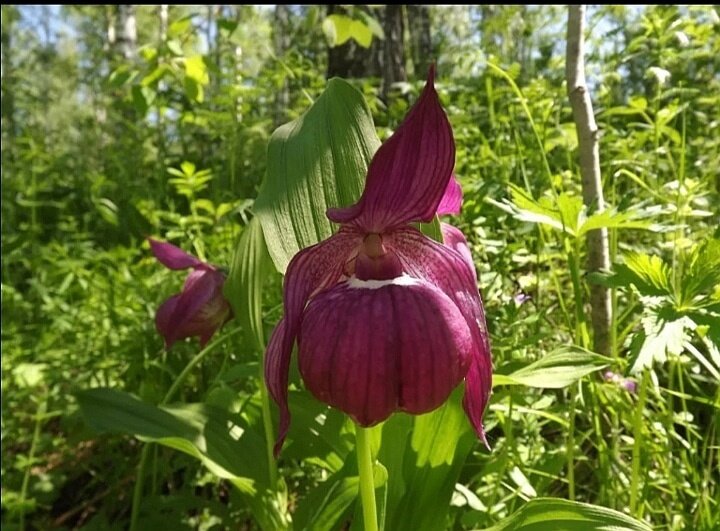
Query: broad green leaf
(570, 209)
(318, 434)
(329, 504)
(424, 464)
(221, 441)
(341, 28)
(554, 514)
(196, 69)
(522, 206)
(250, 266)
(702, 273)
(337, 29)
(180, 26)
(612, 219)
(558, 369)
(224, 443)
(326, 504)
(361, 33)
(658, 338)
(380, 480)
(649, 274)
(567, 213)
(315, 162)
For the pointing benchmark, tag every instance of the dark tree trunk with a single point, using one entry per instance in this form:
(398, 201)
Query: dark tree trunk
(420, 38)
(349, 59)
(394, 61)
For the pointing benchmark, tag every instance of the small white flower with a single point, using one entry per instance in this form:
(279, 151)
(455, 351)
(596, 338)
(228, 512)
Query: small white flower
(660, 74)
(682, 39)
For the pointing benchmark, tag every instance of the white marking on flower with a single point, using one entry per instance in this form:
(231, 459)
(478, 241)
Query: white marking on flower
(403, 280)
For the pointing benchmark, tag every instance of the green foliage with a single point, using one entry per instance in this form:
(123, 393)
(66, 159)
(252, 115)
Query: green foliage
(315, 162)
(555, 370)
(549, 514)
(101, 149)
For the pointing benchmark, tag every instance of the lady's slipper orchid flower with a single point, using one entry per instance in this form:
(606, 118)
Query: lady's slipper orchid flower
(200, 309)
(385, 318)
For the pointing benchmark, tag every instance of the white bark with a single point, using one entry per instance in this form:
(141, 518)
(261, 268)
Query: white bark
(163, 13)
(128, 29)
(588, 142)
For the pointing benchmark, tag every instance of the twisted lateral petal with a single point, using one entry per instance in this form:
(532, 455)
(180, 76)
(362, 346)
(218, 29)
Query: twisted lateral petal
(310, 271)
(409, 173)
(173, 257)
(163, 320)
(445, 268)
(373, 347)
(455, 239)
(452, 198)
(176, 316)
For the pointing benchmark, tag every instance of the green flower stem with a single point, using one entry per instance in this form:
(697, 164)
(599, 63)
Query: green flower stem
(268, 425)
(638, 426)
(367, 478)
(39, 418)
(140, 481)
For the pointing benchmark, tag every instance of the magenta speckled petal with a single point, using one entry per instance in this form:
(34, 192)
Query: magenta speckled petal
(447, 269)
(452, 198)
(373, 347)
(172, 257)
(409, 173)
(455, 239)
(311, 270)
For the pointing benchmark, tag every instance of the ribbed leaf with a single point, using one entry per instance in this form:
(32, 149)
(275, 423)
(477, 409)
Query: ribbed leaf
(423, 464)
(558, 369)
(224, 443)
(250, 266)
(554, 514)
(317, 161)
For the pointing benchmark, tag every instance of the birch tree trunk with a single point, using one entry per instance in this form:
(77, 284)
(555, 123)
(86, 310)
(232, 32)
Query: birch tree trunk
(587, 134)
(128, 30)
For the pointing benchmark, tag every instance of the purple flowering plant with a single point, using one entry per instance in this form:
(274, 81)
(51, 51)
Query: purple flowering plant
(200, 309)
(385, 318)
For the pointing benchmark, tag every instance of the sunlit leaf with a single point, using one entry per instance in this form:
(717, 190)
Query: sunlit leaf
(315, 162)
(424, 456)
(558, 369)
(243, 289)
(554, 514)
(223, 442)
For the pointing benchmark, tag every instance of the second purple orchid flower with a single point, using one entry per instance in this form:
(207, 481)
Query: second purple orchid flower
(385, 318)
(200, 309)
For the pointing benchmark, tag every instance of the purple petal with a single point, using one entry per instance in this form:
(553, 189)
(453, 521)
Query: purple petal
(455, 239)
(171, 256)
(409, 173)
(452, 198)
(373, 347)
(200, 287)
(163, 319)
(446, 268)
(311, 270)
